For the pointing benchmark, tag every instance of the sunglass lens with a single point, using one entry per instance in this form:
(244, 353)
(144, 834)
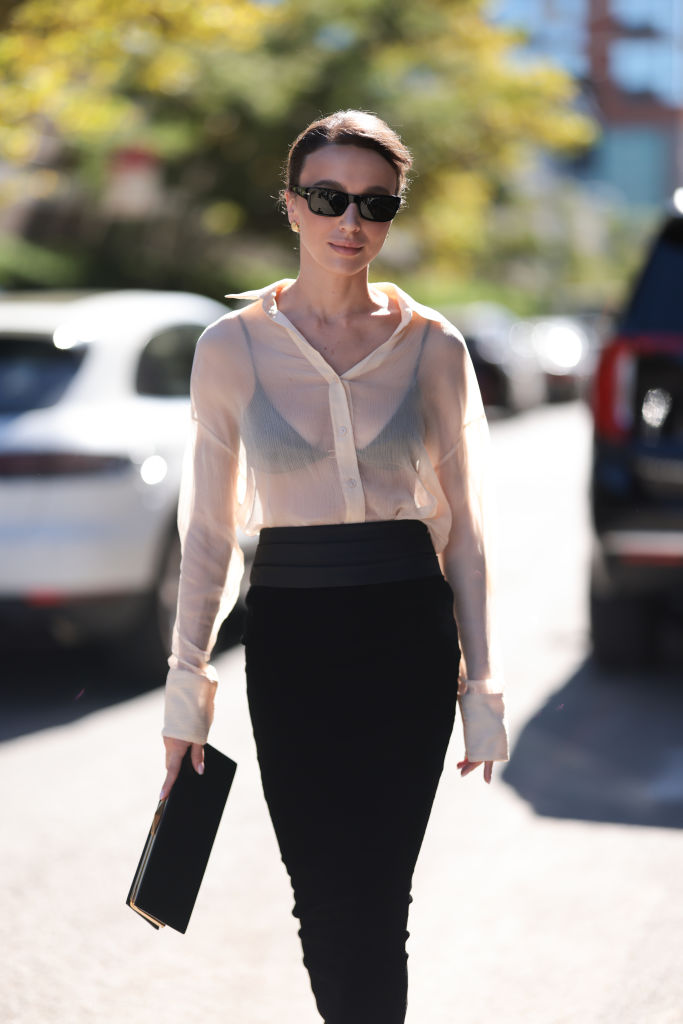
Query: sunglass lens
(327, 202)
(380, 207)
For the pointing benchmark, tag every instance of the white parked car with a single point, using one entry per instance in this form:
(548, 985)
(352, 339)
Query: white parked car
(94, 415)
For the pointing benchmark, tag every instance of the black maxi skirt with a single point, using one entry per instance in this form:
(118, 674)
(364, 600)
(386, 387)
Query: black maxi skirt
(352, 662)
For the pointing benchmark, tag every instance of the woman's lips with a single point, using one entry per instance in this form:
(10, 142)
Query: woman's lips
(346, 248)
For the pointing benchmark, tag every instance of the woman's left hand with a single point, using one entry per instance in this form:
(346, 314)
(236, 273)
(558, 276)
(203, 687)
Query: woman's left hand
(468, 766)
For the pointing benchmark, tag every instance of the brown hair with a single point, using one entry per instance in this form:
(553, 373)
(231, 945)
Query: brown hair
(349, 128)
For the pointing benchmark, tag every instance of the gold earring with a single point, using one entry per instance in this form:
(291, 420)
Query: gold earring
(294, 226)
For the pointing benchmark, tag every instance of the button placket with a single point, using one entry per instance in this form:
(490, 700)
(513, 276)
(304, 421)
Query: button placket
(345, 450)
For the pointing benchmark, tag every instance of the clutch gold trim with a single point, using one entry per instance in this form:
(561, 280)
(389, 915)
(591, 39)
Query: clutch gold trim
(142, 866)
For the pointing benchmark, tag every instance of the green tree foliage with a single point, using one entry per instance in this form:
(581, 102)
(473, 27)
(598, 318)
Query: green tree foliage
(219, 89)
(105, 73)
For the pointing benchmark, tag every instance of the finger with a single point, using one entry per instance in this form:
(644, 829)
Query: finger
(175, 749)
(171, 776)
(488, 771)
(175, 752)
(197, 756)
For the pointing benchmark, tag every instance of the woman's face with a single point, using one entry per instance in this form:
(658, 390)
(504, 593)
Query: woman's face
(346, 244)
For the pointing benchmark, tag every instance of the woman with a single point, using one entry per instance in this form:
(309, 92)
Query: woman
(343, 421)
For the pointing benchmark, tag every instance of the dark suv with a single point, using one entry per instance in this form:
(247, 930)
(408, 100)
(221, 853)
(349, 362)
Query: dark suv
(637, 481)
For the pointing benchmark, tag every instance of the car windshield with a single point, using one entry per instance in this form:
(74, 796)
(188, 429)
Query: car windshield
(33, 373)
(656, 303)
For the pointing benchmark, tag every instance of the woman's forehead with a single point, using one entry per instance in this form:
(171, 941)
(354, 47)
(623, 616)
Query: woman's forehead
(354, 168)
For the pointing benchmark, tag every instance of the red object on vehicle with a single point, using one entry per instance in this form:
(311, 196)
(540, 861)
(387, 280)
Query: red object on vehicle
(615, 381)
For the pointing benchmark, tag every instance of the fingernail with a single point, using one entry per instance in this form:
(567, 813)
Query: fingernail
(200, 768)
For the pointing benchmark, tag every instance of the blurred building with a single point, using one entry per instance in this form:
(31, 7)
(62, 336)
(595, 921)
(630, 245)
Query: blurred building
(628, 57)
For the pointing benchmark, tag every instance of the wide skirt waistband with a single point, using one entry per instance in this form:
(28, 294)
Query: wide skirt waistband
(345, 554)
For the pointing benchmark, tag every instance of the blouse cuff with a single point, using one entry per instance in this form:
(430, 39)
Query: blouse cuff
(189, 700)
(483, 718)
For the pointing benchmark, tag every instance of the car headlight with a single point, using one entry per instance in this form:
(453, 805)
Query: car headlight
(154, 469)
(559, 346)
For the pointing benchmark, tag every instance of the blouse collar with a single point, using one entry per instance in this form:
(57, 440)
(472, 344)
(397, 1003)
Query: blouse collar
(268, 296)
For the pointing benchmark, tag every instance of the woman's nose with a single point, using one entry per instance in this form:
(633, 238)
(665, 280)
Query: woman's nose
(350, 219)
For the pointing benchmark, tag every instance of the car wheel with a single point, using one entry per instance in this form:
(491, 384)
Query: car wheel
(150, 641)
(491, 386)
(166, 594)
(622, 629)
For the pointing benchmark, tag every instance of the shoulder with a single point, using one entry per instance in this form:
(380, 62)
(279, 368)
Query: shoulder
(445, 372)
(435, 327)
(222, 334)
(233, 331)
(227, 339)
(221, 358)
(445, 348)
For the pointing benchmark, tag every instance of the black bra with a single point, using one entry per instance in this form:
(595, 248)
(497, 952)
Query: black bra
(273, 444)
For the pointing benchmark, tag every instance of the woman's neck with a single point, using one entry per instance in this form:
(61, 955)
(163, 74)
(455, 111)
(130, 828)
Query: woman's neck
(329, 297)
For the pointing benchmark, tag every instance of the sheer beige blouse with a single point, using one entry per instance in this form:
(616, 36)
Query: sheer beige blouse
(280, 439)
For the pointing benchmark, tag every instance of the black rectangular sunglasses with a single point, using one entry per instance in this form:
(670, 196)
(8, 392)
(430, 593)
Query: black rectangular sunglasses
(329, 202)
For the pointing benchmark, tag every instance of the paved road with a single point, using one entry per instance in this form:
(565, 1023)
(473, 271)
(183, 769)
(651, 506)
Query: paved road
(553, 897)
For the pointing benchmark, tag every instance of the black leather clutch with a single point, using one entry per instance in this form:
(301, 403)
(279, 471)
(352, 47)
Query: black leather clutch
(177, 850)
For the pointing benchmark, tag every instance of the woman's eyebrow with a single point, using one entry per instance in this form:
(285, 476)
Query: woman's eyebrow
(372, 190)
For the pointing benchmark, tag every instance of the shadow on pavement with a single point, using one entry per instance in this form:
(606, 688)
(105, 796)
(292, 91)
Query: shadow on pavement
(606, 747)
(44, 685)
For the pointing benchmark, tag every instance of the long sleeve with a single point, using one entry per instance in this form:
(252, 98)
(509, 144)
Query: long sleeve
(463, 471)
(212, 563)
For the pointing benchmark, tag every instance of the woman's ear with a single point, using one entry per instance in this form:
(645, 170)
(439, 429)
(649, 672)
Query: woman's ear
(290, 200)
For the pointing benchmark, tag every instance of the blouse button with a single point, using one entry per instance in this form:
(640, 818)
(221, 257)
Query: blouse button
(343, 431)
(351, 482)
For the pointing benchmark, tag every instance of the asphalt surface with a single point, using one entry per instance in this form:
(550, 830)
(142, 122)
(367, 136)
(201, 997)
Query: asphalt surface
(554, 896)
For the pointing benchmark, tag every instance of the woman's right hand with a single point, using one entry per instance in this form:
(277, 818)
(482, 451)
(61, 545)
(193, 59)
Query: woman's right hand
(467, 766)
(175, 752)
